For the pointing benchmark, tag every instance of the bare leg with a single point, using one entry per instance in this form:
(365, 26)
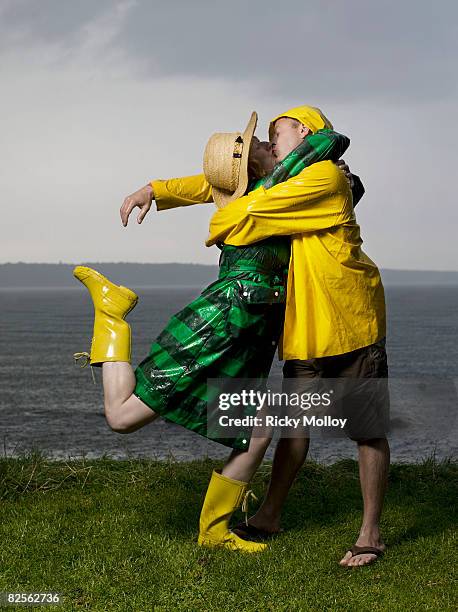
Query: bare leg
(124, 411)
(290, 455)
(242, 465)
(111, 347)
(374, 461)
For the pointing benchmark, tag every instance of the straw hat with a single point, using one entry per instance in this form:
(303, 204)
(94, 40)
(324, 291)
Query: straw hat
(226, 163)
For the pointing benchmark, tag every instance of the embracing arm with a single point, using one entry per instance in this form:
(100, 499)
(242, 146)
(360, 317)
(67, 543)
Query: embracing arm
(171, 193)
(356, 186)
(316, 199)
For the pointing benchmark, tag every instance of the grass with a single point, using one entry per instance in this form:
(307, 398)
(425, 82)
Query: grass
(120, 535)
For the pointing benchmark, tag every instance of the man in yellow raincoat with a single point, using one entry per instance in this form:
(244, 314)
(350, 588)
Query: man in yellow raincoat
(335, 312)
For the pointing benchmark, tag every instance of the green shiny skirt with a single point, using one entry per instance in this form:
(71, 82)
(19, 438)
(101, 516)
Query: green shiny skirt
(231, 329)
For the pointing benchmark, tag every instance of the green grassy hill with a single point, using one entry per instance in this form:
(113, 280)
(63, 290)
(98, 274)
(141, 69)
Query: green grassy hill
(121, 535)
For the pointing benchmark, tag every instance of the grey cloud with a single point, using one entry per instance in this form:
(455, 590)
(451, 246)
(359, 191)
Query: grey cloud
(80, 118)
(385, 50)
(51, 20)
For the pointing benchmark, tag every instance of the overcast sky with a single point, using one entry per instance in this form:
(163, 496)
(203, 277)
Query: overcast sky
(100, 97)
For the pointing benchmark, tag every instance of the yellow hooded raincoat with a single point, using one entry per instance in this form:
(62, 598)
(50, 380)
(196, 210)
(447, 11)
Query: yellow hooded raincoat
(335, 300)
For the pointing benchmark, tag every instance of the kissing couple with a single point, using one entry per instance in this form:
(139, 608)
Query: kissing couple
(292, 276)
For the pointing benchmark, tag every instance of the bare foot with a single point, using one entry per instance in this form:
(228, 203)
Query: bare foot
(257, 530)
(351, 560)
(270, 525)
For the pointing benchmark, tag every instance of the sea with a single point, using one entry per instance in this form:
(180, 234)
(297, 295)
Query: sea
(49, 403)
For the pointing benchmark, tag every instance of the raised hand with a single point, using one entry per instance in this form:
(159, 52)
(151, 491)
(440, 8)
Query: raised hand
(142, 198)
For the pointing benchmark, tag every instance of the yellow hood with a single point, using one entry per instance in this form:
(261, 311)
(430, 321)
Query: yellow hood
(309, 116)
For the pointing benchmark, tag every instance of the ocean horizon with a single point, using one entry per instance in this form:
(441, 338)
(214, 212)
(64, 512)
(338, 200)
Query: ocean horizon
(49, 403)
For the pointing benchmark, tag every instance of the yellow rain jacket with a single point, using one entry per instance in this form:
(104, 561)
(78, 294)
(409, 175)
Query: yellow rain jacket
(335, 298)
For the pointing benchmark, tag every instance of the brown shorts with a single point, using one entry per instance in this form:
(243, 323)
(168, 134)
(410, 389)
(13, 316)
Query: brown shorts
(359, 381)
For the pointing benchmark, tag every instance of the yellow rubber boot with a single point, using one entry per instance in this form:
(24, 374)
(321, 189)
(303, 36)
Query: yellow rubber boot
(223, 497)
(111, 340)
